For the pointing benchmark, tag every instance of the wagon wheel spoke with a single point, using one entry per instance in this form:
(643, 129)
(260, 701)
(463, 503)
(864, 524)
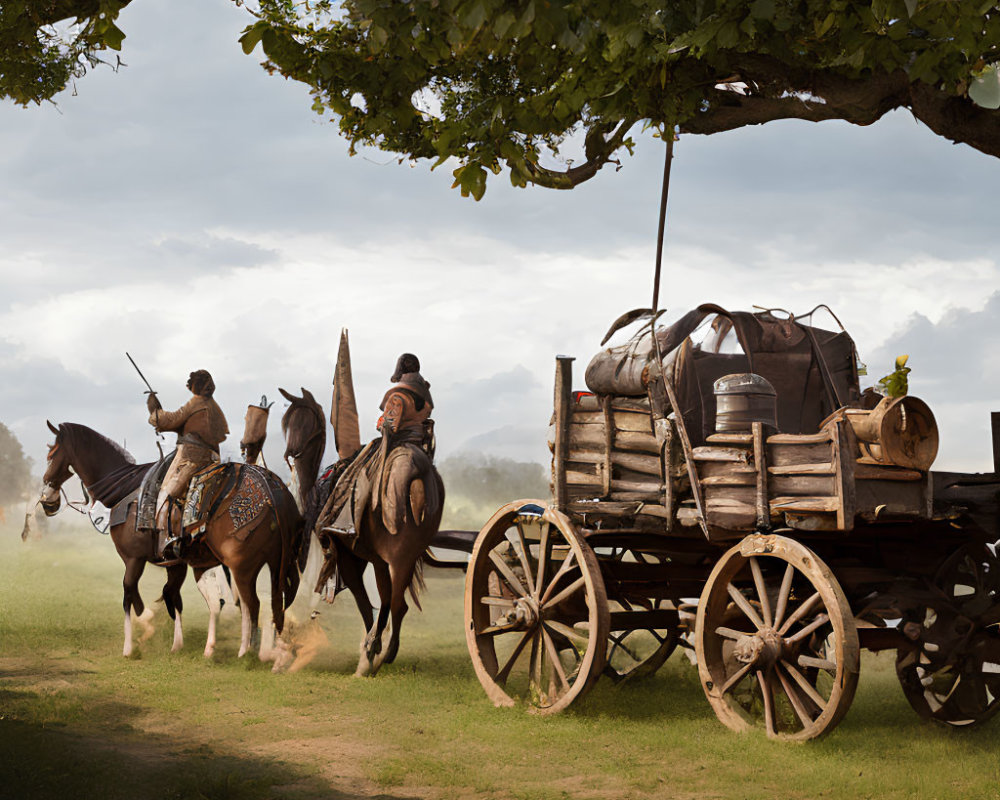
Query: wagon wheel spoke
(497, 602)
(508, 574)
(736, 677)
(522, 553)
(799, 635)
(768, 698)
(783, 592)
(796, 702)
(758, 582)
(805, 685)
(570, 633)
(804, 608)
(729, 633)
(537, 662)
(744, 606)
(554, 659)
(969, 695)
(504, 671)
(496, 630)
(544, 551)
(818, 663)
(571, 589)
(564, 569)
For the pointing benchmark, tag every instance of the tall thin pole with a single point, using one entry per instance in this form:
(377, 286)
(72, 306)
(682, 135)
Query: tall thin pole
(664, 192)
(667, 386)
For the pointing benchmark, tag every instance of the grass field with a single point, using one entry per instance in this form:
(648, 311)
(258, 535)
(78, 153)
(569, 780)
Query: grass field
(79, 721)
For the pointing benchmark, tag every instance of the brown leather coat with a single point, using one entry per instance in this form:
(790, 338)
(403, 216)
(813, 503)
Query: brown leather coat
(200, 416)
(400, 410)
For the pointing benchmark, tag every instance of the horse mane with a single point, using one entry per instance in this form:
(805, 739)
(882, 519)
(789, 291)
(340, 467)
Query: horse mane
(79, 438)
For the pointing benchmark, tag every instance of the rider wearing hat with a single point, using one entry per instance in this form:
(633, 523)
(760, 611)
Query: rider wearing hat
(408, 404)
(201, 427)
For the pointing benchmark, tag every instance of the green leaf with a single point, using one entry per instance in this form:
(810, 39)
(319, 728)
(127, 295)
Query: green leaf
(251, 36)
(377, 38)
(762, 9)
(502, 24)
(476, 15)
(911, 7)
(113, 36)
(984, 90)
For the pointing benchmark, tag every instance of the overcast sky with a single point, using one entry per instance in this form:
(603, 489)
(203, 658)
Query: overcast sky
(194, 211)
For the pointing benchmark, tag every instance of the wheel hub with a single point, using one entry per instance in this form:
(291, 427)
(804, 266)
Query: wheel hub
(762, 648)
(524, 614)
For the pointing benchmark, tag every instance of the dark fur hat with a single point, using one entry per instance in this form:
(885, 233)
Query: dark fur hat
(200, 382)
(414, 383)
(404, 364)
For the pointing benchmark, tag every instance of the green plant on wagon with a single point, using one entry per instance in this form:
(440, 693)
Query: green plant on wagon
(896, 384)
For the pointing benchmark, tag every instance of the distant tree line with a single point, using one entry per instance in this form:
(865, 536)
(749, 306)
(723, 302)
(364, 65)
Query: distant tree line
(15, 468)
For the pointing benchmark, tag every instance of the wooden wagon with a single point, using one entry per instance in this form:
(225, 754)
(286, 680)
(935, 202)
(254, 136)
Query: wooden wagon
(774, 541)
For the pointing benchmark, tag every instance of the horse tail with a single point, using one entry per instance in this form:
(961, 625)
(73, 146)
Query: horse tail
(417, 584)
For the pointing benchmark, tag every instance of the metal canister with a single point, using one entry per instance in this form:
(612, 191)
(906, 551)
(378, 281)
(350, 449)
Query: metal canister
(742, 399)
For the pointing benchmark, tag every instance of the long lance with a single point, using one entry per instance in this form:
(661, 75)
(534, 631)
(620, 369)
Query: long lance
(159, 436)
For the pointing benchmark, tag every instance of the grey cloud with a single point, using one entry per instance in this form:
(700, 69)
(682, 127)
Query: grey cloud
(954, 367)
(212, 252)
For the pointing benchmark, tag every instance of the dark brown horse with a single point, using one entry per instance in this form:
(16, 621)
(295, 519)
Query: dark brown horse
(395, 557)
(271, 536)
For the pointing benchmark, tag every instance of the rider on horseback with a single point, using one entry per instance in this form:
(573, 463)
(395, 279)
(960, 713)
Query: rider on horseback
(201, 427)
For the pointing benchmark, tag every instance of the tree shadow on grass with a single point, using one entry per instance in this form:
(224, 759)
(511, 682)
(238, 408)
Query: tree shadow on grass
(56, 761)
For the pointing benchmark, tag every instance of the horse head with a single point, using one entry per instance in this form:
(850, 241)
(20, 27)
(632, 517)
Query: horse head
(57, 472)
(304, 428)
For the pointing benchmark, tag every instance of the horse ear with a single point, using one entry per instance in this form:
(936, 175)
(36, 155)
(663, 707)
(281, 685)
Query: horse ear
(289, 397)
(307, 395)
(52, 427)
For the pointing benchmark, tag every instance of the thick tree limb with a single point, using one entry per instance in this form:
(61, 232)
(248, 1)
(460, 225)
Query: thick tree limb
(597, 156)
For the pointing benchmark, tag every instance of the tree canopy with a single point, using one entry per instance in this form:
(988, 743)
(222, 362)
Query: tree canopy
(553, 90)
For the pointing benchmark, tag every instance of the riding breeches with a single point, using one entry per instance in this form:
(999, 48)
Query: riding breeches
(188, 460)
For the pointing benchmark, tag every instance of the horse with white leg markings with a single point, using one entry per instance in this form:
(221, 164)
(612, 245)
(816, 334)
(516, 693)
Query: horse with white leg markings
(252, 522)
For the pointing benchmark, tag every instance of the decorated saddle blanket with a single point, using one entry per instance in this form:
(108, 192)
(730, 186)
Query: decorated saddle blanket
(246, 489)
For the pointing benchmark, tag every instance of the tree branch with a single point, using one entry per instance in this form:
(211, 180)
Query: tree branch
(956, 118)
(597, 156)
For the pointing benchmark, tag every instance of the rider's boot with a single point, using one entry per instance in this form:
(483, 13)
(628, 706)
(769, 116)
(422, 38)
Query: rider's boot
(168, 528)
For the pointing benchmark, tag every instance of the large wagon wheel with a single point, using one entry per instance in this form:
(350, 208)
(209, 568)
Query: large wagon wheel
(953, 674)
(639, 652)
(536, 614)
(776, 641)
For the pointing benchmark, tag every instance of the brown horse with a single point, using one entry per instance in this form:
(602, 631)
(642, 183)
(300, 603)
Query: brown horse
(395, 557)
(270, 537)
